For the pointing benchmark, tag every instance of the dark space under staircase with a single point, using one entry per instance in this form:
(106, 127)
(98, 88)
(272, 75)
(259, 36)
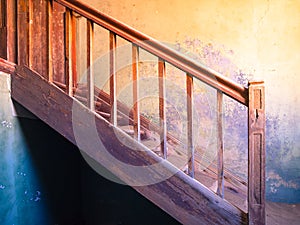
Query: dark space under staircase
(41, 52)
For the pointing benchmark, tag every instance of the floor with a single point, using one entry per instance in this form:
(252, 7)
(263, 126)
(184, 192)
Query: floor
(282, 214)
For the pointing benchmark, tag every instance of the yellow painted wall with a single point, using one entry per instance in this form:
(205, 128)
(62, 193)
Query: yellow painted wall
(259, 37)
(264, 35)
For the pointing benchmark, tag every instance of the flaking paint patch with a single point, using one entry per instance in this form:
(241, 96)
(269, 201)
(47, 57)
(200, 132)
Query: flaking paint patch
(276, 181)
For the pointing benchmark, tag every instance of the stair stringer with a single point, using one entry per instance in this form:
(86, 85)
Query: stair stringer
(181, 196)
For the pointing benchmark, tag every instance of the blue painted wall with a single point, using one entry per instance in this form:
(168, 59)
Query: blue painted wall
(38, 180)
(45, 181)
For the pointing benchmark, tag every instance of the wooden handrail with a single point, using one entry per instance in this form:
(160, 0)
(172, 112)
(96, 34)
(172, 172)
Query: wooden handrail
(6, 66)
(201, 72)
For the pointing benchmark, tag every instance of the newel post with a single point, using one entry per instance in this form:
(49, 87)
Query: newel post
(256, 153)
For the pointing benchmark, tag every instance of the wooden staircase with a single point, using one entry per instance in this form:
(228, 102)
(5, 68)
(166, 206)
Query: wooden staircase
(41, 54)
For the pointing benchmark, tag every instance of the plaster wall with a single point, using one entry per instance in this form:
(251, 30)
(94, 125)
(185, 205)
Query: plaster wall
(39, 182)
(255, 39)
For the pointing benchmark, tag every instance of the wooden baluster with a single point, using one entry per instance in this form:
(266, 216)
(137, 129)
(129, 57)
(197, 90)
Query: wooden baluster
(49, 40)
(69, 49)
(162, 107)
(24, 17)
(3, 29)
(8, 26)
(29, 35)
(112, 69)
(12, 31)
(256, 154)
(90, 72)
(136, 105)
(3, 13)
(220, 144)
(58, 43)
(190, 136)
(39, 37)
(74, 49)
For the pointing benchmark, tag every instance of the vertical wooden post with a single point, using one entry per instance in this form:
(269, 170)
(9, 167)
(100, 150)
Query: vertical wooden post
(69, 59)
(190, 124)
(89, 63)
(256, 154)
(220, 145)
(49, 76)
(74, 49)
(58, 44)
(162, 106)
(113, 79)
(24, 17)
(8, 26)
(3, 29)
(3, 13)
(136, 105)
(39, 36)
(11, 23)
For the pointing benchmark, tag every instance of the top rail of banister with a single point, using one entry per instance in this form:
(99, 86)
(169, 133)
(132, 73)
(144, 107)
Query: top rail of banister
(6, 66)
(197, 70)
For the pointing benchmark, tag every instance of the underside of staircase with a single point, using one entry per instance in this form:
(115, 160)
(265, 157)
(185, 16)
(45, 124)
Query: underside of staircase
(44, 81)
(181, 196)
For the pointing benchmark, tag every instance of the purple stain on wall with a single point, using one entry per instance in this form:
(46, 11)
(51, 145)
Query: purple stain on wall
(283, 170)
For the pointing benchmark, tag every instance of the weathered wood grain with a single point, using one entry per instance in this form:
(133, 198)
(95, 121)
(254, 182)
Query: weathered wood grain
(58, 46)
(69, 51)
(113, 77)
(162, 107)
(23, 32)
(39, 39)
(49, 47)
(6, 66)
(3, 47)
(256, 153)
(89, 63)
(190, 125)
(220, 144)
(3, 30)
(11, 26)
(135, 94)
